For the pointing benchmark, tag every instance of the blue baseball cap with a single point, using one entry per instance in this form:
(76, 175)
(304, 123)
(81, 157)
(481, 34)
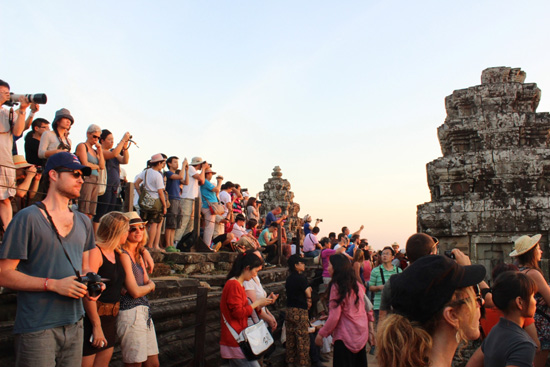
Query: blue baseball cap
(66, 160)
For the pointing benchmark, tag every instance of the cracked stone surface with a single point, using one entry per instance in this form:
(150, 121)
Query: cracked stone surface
(492, 183)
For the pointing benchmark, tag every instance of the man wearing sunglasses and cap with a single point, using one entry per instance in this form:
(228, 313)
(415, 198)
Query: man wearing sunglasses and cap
(44, 247)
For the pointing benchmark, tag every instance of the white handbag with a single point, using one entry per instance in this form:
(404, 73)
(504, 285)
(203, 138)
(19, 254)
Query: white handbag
(253, 340)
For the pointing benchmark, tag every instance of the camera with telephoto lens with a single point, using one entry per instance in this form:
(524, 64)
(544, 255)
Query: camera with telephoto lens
(320, 220)
(93, 282)
(38, 98)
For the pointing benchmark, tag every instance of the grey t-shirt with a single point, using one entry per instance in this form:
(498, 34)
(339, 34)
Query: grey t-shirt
(31, 239)
(508, 345)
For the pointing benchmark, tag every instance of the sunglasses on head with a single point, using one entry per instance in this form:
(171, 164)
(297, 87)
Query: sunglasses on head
(76, 174)
(135, 228)
(478, 297)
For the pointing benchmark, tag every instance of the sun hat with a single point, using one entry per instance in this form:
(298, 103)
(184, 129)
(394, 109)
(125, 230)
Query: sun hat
(209, 170)
(134, 218)
(66, 160)
(20, 162)
(63, 113)
(423, 289)
(524, 244)
(157, 158)
(307, 218)
(196, 161)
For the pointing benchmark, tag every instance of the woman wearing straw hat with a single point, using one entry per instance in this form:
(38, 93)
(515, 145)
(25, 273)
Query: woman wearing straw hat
(528, 253)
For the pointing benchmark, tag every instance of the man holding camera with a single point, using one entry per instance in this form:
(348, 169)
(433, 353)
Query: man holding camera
(12, 124)
(190, 193)
(43, 250)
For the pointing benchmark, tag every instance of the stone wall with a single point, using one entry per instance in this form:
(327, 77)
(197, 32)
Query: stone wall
(493, 182)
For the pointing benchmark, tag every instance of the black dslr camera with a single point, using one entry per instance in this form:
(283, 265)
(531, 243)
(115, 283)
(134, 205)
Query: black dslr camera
(93, 282)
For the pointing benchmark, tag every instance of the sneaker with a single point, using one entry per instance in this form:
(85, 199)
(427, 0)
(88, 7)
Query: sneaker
(269, 266)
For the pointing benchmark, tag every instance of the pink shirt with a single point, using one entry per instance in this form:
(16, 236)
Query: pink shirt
(367, 269)
(347, 322)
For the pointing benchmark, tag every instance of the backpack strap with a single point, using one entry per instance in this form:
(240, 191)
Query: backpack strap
(382, 275)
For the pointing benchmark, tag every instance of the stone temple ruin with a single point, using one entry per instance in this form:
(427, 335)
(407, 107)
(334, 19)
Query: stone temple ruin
(277, 193)
(492, 184)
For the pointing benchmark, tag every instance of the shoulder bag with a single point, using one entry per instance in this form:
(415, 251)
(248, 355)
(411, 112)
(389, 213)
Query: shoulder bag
(255, 340)
(146, 202)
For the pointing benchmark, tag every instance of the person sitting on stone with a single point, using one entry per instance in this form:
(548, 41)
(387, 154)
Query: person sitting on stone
(271, 217)
(311, 245)
(242, 237)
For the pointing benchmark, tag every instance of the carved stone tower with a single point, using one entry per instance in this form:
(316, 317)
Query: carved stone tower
(277, 193)
(492, 184)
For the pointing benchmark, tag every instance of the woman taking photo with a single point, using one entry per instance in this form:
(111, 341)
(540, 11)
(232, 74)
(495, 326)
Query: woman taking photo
(528, 253)
(90, 154)
(347, 319)
(114, 157)
(435, 308)
(100, 317)
(135, 327)
(253, 209)
(57, 140)
(235, 308)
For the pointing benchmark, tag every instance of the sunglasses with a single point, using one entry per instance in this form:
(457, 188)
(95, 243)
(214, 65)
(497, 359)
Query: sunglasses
(75, 174)
(95, 136)
(135, 228)
(479, 298)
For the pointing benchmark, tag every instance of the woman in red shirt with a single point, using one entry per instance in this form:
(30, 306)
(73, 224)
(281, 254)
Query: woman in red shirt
(235, 308)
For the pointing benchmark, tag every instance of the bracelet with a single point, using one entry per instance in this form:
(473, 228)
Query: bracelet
(46, 285)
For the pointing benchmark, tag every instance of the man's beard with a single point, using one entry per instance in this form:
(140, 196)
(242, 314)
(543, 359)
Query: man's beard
(68, 194)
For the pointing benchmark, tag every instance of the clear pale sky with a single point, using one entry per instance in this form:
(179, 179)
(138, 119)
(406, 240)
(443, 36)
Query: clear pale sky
(345, 96)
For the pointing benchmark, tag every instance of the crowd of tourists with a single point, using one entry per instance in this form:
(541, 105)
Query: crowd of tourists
(409, 307)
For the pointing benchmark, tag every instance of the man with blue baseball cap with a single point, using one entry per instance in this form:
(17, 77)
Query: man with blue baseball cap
(44, 248)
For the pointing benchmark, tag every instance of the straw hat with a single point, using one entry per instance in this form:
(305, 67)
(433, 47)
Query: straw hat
(524, 244)
(134, 218)
(157, 158)
(20, 162)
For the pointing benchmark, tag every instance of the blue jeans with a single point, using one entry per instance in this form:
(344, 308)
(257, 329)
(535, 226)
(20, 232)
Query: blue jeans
(313, 253)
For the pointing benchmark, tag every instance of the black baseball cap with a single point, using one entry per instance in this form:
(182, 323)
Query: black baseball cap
(66, 160)
(429, 283)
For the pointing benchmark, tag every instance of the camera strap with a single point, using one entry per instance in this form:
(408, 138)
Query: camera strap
(43, 207)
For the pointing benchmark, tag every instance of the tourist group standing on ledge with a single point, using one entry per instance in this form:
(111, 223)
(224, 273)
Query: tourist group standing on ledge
(409, 307)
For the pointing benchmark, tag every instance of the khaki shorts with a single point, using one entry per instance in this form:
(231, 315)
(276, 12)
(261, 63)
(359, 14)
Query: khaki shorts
(137, 340)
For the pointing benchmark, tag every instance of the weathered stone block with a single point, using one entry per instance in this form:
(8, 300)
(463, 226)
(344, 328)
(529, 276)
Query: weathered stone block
(184, 257)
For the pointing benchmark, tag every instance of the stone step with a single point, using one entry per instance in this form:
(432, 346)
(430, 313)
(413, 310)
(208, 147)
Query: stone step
(266, 276)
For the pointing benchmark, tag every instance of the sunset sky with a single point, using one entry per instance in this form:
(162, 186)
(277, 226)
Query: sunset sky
(344, 96)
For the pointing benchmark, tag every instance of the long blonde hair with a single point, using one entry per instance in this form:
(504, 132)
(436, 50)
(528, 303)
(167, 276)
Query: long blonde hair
(140, 246)
(112, 226)
(404, 343)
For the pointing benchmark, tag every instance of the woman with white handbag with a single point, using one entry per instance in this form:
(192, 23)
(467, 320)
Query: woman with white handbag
(236, 309)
